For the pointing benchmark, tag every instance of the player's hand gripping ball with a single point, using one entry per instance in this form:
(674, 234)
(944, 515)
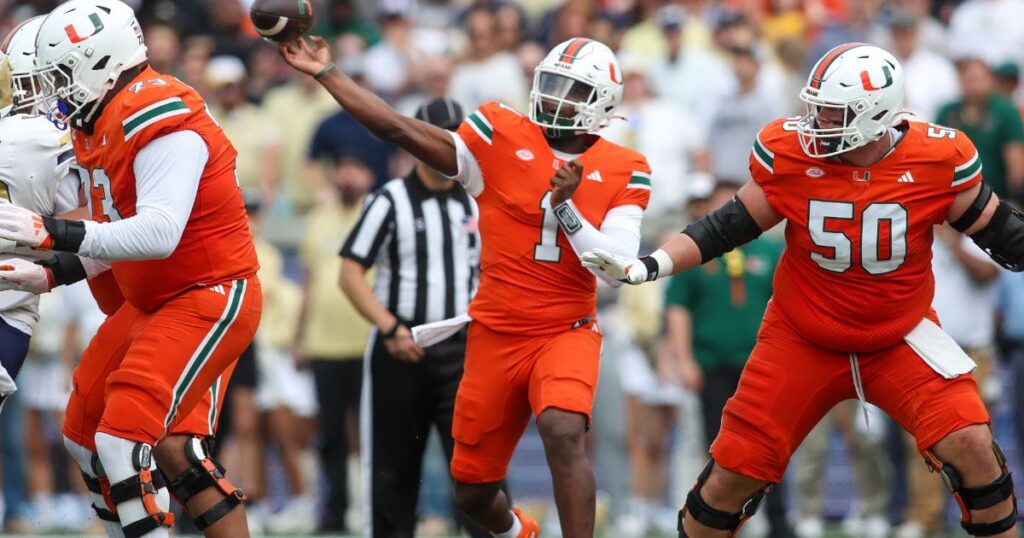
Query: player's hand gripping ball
(281, 20)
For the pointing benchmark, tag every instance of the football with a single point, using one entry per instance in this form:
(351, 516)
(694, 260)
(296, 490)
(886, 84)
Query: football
(281, 20)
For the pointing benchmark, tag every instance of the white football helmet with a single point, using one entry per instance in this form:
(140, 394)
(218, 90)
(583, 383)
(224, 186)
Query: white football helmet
(82, 48)
(576, 88)
(20, 47)
(859, 88)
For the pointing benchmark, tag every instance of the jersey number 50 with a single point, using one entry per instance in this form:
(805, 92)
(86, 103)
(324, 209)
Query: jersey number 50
(871, 218)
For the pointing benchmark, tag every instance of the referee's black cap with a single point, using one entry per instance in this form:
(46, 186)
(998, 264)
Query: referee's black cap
(443, 112)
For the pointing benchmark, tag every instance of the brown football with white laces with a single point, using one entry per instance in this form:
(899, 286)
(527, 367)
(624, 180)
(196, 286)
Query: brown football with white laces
(281, 20)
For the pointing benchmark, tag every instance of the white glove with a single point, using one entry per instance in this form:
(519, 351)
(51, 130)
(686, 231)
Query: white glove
(622, 268)
(23, 226)
(23, 275)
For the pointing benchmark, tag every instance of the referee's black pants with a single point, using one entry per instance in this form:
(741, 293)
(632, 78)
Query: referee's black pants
(406, 400)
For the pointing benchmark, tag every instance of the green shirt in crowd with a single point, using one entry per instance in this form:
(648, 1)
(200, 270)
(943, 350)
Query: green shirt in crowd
(727, 311)
(1001, 125)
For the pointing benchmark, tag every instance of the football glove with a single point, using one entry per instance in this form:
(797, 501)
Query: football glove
(22, 275)
(622, 268)
(23, 227)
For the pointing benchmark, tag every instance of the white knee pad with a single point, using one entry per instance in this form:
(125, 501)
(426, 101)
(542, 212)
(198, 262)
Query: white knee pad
(136, 486)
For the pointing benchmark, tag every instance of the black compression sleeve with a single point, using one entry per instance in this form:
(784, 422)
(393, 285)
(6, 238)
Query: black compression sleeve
(1003, 237)
(66, 268)
(723, 230)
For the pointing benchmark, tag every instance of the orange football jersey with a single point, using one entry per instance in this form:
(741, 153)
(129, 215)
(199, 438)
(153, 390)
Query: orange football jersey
(857, 274)
(531, 280)
(216, 245)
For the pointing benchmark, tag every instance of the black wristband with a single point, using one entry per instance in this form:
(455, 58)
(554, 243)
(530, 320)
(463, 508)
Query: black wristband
(652, 267)
(65, 267)
(394, 330)
(67, 235)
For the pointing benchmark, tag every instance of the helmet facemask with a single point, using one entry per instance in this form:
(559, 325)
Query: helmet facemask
(560, 104)
(830, 128)
(60, 95)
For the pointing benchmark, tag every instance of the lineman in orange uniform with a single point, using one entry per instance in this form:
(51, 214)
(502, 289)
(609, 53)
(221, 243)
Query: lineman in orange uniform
(533, 346)
(168, 214)
(860, 188)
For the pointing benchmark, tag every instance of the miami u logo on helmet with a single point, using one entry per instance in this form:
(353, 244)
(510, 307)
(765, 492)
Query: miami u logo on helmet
(865, 79)
(97, 26)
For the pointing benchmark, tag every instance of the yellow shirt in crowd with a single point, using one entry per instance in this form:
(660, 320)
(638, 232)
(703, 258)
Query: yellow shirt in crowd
(334, 329)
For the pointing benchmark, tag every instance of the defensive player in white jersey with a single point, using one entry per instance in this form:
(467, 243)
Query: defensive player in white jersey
(35, 173)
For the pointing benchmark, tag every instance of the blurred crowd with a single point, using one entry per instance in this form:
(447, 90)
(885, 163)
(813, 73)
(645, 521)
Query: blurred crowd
(701, 78)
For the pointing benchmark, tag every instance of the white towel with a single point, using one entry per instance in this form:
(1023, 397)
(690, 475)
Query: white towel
(939, 350)
(429, 334)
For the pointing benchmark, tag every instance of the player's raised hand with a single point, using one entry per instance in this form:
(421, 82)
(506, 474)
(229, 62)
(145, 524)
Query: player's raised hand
(622, 268)
(309, 60)
(23, 226)
(565, 181)
(23, 275)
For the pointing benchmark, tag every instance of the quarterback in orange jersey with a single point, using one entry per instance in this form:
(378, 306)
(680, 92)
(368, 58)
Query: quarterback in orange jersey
(168, 215)
(860, 188)
(548, 188)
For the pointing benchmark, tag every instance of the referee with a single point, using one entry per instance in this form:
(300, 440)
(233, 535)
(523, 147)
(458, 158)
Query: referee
(420, 232)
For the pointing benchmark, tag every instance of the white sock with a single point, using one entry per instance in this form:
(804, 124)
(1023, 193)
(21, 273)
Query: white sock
(512, 532)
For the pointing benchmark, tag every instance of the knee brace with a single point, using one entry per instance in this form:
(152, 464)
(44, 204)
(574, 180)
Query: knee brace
(980, 497)
(697, 508)
(205, 473)
(144, 486)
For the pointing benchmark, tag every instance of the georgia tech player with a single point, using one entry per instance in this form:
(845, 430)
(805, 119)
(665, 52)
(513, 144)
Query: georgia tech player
(35, 173)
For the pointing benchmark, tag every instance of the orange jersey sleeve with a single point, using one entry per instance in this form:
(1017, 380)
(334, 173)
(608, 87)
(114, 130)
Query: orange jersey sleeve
(638, 189)
(964, 161)
(762, 158)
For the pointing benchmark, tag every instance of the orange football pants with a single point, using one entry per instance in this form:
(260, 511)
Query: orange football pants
(507, 377)
(789, 384)
(147, 374)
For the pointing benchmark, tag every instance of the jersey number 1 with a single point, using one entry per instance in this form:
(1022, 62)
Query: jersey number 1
(547, 250)
(871, 224)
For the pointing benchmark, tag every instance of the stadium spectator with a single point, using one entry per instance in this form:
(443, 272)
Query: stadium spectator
(673, 142)
(1010, 327)
(301, 104)
(691, 77)
(931, 78)
(487, 73)
(739, 116)
(989, 30)
(712, 316)
(45, 384)
(651, 400)
(992, 123)
(255, 139)
(871, 469)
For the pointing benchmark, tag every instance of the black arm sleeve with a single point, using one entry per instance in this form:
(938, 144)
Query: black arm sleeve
(723, 230)
(66, 268)
(1003, 237)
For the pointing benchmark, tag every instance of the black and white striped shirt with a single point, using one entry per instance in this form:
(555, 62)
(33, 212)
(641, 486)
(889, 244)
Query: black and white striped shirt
(426, 246)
